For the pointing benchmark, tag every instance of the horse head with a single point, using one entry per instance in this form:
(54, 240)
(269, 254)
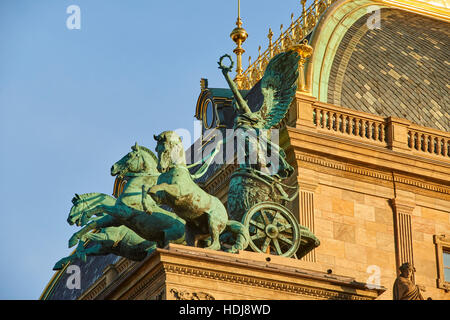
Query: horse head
(139, 160)
(170, 150)
(80, 204)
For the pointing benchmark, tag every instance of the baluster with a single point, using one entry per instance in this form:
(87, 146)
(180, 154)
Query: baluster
(341, 123)
(367, 129)
(416, 141)
(347, 124)
(334, 121)
(448, 148)
(328, 120)
(375, 130)
(409, 139)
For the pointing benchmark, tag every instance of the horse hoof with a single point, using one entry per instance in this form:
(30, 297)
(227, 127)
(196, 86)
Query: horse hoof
(73, 241)
(215, 247)
(58, 266)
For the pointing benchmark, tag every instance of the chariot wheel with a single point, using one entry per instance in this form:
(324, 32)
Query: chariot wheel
(273, 229)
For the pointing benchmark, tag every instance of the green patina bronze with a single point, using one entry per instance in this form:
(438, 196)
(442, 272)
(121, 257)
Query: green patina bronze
(154, 224)
(278, 87)
(119, 240)
(256, 192)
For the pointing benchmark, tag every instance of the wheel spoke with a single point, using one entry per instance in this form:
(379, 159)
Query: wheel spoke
(284, 227)
(273, 229)
(266, 220)
(283, 238)
(277, 246)
(266, 244)
(257, 224)
(258, 235)
(275, 216)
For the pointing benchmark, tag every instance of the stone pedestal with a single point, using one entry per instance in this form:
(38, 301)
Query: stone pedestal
(181, 272)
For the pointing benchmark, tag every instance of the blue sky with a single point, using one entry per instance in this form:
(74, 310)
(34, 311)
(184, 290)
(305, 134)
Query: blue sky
(72, 102)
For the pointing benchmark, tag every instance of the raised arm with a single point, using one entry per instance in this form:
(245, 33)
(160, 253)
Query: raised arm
(242, 106)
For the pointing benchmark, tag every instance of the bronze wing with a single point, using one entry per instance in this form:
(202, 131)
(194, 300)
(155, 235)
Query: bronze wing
(278, 87)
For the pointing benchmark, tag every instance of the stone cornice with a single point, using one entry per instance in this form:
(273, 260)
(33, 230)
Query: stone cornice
(264, 283)
(369, 172)
(162, 270)
(145, 284)
(310, 141)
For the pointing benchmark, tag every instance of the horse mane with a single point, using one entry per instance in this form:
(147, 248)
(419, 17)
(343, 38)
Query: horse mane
(82, 197)
(155, 158)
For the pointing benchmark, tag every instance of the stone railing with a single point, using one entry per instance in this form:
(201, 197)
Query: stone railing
(428, 141)
(389, 132)
(347, 123)
(297, 30)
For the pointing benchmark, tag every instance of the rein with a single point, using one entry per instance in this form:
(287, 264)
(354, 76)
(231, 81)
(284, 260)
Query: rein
(207, 161)
(136, 174)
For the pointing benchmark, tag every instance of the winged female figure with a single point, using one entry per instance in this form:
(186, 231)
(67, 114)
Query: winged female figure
(278, 87)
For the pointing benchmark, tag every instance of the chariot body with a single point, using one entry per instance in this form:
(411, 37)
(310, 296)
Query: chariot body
(258, 202)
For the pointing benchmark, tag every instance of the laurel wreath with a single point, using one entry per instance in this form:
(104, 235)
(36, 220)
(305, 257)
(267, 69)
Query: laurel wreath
(224, 67)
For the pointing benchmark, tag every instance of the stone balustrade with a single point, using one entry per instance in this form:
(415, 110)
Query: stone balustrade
(390, 132)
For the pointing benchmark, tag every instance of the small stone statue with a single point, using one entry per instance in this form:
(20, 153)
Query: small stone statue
(404, 287)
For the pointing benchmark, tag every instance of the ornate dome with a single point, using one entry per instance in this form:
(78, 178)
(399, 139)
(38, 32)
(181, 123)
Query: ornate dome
(401, 69)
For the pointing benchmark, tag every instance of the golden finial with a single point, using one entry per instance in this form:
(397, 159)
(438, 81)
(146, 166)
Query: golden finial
(292, 27)
(239, 35)
(303, 2)
(305, 51)
(270, 35)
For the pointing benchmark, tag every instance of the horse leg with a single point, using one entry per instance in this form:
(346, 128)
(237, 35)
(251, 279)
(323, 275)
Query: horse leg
(113, 243)
(115, 211)
(158, 192)
(79, 253)
(103, 222)
(214, 230)
(63, 262)
(190, 235)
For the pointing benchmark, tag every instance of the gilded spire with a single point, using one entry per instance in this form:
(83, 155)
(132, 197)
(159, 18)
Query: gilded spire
(239, 35)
